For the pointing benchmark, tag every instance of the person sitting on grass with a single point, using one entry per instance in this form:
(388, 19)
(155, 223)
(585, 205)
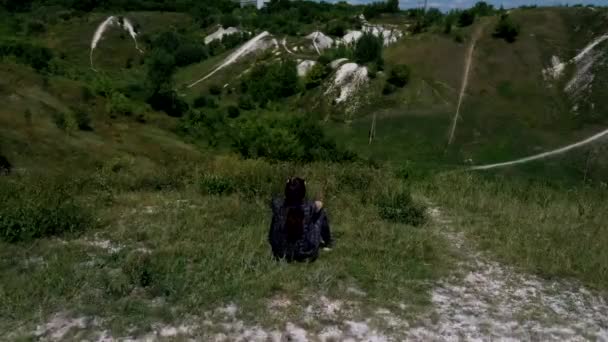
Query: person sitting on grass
(299, 227)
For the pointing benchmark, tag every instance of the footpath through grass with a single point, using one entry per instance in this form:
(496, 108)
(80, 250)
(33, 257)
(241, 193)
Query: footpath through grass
(552, 230)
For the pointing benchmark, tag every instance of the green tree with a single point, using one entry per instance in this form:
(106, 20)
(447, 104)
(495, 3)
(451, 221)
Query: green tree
(161, 66)
(392, 6)
(506, 29)
(190, 53)
(229, 20)
(399, 75)
(483, 9)
(315, 76)
(368, 49)
(270, 82)
(466, 18)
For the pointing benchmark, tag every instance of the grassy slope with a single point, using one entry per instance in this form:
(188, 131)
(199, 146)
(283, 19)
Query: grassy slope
(555, 231)
(179, 245)
(508, 111)
(143, 185)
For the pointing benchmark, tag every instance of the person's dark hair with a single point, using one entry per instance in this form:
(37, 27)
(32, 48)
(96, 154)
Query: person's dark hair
(295, 191)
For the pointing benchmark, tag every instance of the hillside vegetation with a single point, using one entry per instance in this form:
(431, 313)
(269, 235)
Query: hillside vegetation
(135, 180)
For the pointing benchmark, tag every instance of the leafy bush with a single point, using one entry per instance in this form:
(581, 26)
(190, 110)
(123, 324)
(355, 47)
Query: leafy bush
(279, 137)
(83, 120)
(169, 102)
(374, 9)
(466, 18)
(368, 49)
(315, 76)
(38, 57)
(138, 269)
(245, 103)
(35, 27)
(215, 48)
(215, 89)
(60, 120)
(399, 206)
(399, 75)
(233, 40)
(37, 209)
(210, 125)
(167, 41)
(506, 29)
(161, 66)
(483, 9)
(211, 184)
(458, 38)
(229, 20)
(204, 101)
(448, 23)
(86, 94)
(233, 112)
(337, 29)
(129, 63)
(388, 89)
(341, 51)
(190, 53)
(119, 105)
(205, 15)
(270, 82)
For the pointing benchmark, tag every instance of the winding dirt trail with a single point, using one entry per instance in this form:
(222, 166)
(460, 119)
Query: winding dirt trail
(246, 48)
(465, 78)
(485, 300)
(543, 155)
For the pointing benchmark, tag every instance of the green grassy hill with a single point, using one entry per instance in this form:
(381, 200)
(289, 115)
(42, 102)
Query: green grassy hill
(118, 211)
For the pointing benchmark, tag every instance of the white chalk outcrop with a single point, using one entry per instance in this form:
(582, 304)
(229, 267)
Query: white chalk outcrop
(112, 21)
(220, 33)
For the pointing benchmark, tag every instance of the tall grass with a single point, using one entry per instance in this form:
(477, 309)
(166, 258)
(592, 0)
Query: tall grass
(552, 230)
(203, 243)
(33, 208)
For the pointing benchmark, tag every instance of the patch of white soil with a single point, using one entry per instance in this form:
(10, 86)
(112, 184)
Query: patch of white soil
(112, 21)
(389, 35)
(59, 326)
(258, 43)
(493, 301)
(583, 76)
(556, 69)
(220, 33)
(304, 67)
(352, 36)
(348, 80)
(320, 41)
(106, 245)
(338, 62)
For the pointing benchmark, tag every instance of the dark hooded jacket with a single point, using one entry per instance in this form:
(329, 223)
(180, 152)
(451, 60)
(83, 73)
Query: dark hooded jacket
(304, 248)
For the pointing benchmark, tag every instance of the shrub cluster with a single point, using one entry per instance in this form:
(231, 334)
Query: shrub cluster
(38, 57)
(506, 29)
(398, 206)
(35, 209)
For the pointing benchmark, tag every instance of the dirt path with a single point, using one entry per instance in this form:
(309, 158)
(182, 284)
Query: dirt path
(251, 45)
(544, 155)
(489, 301)
(465, 78)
